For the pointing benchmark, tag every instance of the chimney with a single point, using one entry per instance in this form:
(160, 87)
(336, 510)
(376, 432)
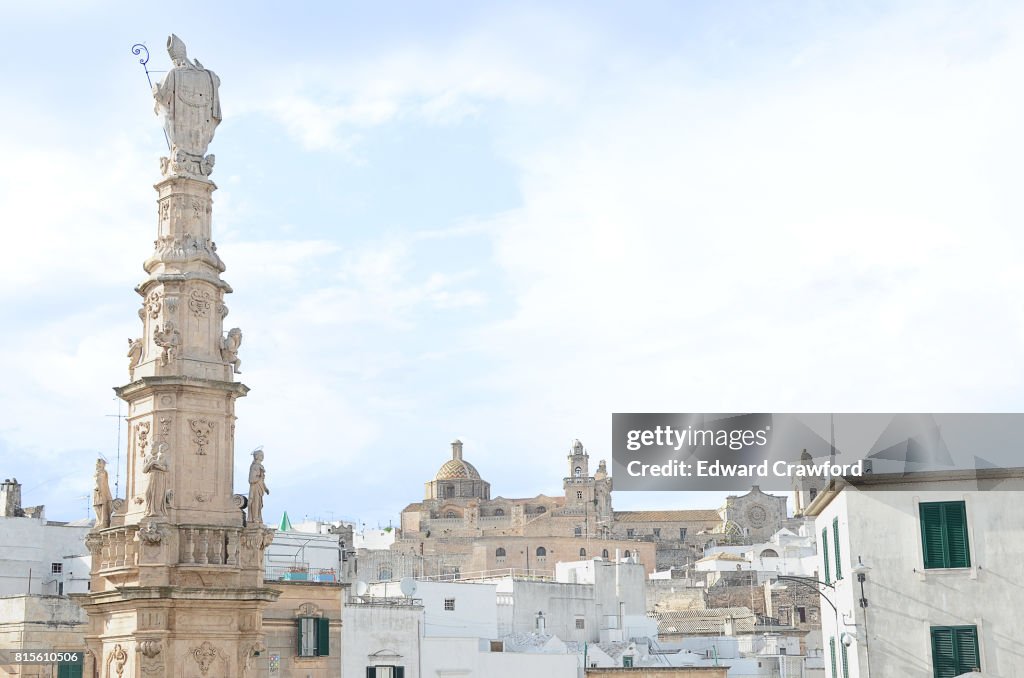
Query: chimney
(10, 498)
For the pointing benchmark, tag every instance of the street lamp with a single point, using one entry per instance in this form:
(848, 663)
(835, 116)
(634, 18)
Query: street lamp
(861, 570)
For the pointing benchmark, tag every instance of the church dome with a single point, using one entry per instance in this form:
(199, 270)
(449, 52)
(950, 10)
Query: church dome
(457, 469)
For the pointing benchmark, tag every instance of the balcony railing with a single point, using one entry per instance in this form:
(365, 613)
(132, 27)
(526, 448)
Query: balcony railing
(299, 573)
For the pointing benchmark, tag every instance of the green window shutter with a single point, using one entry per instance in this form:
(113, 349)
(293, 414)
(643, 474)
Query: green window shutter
(956, 534)
(832, 652)
(298, 626)
(323, 637)
(944, 537)
(69, 670)
(967, 655)
(835, 537)
(824, 552)
(954, 650)
(846, 662)
(371, 672)
(399, 672)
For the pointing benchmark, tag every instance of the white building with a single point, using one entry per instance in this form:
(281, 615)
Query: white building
(943, 593)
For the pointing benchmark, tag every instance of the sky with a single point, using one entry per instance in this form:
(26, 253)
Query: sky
(503, 222)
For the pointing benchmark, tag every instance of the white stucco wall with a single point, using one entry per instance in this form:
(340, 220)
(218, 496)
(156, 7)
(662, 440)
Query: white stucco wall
(444, 657)
(905, 600)
(32, 544)
(374, 635)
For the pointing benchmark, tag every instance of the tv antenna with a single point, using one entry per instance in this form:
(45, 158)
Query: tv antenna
(117, 476)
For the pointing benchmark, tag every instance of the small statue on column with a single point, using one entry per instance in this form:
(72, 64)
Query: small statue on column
(134, 356)
(229, 349)
(155, 465)
(257, 488)
(102, 501)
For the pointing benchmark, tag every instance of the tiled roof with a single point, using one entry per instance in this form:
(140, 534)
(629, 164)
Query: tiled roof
(455, 469)
(691, 516)
(707, 622)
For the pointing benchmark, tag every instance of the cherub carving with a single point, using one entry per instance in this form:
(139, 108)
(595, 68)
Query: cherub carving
(229, 349)
(134, 356)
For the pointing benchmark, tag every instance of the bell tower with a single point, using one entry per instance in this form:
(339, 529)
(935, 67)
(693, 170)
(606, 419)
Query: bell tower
(177, 573)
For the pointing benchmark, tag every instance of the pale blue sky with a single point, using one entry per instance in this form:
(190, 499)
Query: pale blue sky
(504, 222)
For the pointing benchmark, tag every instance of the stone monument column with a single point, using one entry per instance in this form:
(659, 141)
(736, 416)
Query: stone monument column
(177, 576)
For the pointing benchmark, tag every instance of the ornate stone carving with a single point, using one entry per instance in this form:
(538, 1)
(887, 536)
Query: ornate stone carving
(165, 426)
(249, 654)
(152, 305)
(172, 305)
(223, 308)
(151, 664)
(188, 99)
(102, 501)
(229, 349)
(155, 465)
(205, 654)
(117, 658)
(202, 429)
(169, 339)
(134, 356)
(142, 437)
(199, 302)
(151, 534)
(257, 488)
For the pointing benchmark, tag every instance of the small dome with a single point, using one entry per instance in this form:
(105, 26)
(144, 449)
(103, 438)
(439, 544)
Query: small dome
(457, 469)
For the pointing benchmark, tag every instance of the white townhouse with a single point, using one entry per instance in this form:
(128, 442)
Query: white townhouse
(926, 573)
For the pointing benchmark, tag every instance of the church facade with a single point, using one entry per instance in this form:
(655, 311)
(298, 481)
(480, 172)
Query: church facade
(458, 527)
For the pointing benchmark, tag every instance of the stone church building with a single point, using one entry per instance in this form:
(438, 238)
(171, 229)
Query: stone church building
(458, 527)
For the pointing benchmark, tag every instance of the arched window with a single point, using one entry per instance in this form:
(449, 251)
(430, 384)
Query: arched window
(583, 553)
(449, 491)
(450, 514)
(578, 472)
(626, 554)
(499, 553)
(541, 509)
(769, 553)
(579, 494)
(541, 551)
(384, 573)
(604, 553)
(499, 512)
(814, 492)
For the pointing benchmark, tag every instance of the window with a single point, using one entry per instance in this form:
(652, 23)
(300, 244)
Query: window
(69, 670)
(450, 514)
(56, 568)
(682, 533)
(846, 661)
(583, 553)
(579, 494)
(499, 552)
(801, 614)
(824, 553)
(578, 472)
(627, 661)
(627, 554)
(541, 551)
(944, 534)
(384, 573)
(580, 623)
(385, 672)
(814, 493)
(769, 553)
(449, 491)
(832, 652)
(577, 531)
(449, 604)
(604, 553)
(954, 650)
(630, 532)
(657, 533)
(541, 509)
(835, 538)
(314, 636)
(499, 512)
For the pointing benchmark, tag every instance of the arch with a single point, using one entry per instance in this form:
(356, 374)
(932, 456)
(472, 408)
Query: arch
(578, 472)
(604, 553)
(499, 552)
(499, 512)
(769, 553)
(583, 553)
(627, 554)
(542, 509)
(541, 551)
(451, 514)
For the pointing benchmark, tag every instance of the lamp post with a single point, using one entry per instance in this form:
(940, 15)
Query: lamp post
(861, 570)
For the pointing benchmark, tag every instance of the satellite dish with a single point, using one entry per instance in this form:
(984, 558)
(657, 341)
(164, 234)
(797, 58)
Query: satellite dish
(361, 587)
(408, 586)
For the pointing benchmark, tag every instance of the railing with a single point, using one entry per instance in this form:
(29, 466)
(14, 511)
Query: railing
(390, 601)
(513, 572)
(202, 545)
(299, 573)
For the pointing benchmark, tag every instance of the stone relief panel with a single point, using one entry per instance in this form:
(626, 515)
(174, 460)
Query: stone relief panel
(116, 661)
(199, 302)
(142, 437)
(202, 430)
(206, 656)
